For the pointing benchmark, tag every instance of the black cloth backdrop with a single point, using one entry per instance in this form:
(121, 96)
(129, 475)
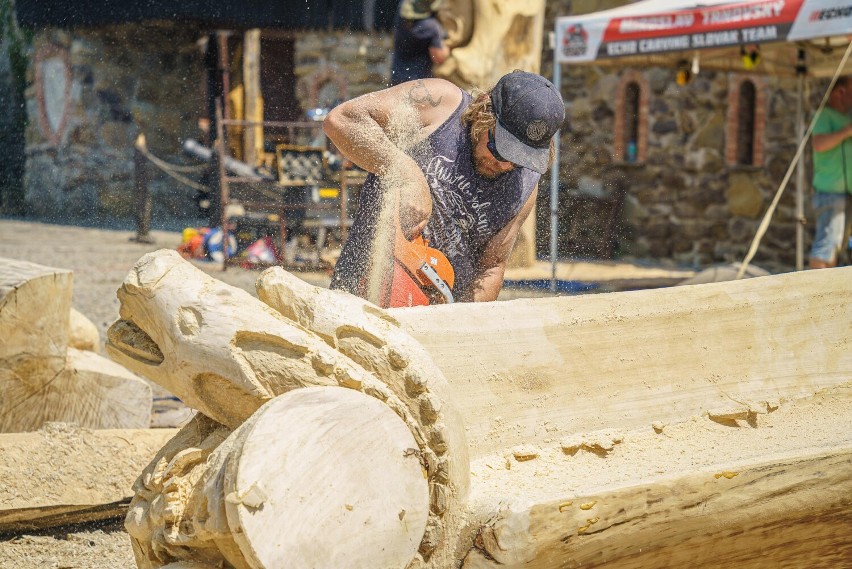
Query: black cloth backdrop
(356, 15)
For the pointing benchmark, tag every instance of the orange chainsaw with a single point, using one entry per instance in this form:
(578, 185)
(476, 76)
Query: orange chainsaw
(422, 275)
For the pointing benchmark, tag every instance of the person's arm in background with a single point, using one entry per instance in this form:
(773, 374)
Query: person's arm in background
(492, 266)
(439, 54)
(825, 142)
(360, 128)
(438, 50)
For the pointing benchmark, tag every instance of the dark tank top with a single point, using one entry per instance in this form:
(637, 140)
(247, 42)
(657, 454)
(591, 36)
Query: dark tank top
(468, 210)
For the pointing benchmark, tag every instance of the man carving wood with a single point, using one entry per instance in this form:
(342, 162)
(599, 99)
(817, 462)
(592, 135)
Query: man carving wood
(460, 170)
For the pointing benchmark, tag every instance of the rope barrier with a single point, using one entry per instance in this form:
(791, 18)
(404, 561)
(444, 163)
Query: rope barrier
(173, 169)
(764, 223)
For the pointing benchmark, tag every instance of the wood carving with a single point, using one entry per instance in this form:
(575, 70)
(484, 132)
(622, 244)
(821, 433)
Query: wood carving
(652, 428)
(43, 377)
(490, 39)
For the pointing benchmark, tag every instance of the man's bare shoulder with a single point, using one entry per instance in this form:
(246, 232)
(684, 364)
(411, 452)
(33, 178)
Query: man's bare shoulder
(428, 94)
(434, 99)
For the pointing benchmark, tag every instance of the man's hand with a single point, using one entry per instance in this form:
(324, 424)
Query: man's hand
(414, 199)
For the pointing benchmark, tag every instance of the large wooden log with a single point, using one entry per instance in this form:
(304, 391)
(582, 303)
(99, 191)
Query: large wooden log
(728, 351)
(43, 378)
(697, 493)
(578, 416)
(226, 353)
(340, 486)
(65, 474)
(35, 304)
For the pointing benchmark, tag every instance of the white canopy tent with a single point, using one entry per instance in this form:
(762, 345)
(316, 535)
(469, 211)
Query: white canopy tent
(804, 38)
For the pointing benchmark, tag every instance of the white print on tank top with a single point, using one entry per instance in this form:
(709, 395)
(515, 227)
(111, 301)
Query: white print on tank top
(465, 208)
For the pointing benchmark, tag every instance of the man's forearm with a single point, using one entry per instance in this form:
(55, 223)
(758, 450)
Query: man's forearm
(487, 285)
(825, 142)
(362, 138)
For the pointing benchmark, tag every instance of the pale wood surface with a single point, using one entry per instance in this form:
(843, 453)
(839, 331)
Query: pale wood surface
(64, 474)
(43, 378)
(34, 310)
(90, 390)
(82, 332)
(226, 353)
(667, 421)
(695, 494)
(526, 370)
(343, 477)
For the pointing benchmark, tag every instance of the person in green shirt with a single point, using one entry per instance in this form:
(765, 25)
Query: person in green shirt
(832, 181)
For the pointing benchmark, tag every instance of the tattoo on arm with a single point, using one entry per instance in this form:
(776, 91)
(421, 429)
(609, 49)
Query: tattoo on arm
(419, 94)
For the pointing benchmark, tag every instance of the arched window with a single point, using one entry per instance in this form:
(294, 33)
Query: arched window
(746, 121)
(745, 124)
(631, 121)
(631, 118)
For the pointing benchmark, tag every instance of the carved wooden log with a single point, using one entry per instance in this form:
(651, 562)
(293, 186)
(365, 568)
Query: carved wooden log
(634, 428)
(82, 333)
(43, 378)
(226, 353)
(728, 351)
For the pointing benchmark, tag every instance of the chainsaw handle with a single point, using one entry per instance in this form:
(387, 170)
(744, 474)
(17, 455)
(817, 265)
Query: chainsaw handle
(437, 282)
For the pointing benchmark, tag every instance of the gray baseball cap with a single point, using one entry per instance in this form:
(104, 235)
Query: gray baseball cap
(529, 111)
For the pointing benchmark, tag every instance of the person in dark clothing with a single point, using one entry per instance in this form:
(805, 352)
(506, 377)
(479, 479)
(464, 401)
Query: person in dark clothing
(418, 41)
(461, 170)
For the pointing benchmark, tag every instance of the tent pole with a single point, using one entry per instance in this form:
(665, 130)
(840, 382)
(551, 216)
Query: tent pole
(800, 179)
(554, 184)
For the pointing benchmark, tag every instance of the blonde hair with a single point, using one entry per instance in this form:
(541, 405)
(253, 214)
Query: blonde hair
(479, 118)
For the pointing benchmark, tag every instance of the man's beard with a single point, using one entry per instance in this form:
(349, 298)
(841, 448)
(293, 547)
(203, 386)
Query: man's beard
(484, 173)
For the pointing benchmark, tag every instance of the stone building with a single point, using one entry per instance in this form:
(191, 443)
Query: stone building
(99, 76)
(709, 158)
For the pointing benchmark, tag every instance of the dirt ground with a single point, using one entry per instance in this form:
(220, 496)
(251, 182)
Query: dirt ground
(100, 259)
(91, 547)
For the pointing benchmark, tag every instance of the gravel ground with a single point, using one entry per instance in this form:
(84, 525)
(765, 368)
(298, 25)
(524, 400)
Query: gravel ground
(100, 259)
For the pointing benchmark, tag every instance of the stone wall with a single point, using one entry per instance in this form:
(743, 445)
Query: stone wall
(685, 202)
(13, 44)
(90, 93)
(130, 79)
(347, 64)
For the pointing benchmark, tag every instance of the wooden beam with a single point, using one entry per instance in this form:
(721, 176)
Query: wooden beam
(253, 102)
(583, 363)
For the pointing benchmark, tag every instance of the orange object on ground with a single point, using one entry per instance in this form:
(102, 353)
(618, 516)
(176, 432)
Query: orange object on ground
(192, 246)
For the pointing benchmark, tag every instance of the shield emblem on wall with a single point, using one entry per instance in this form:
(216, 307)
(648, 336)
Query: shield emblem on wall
(53, 91)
